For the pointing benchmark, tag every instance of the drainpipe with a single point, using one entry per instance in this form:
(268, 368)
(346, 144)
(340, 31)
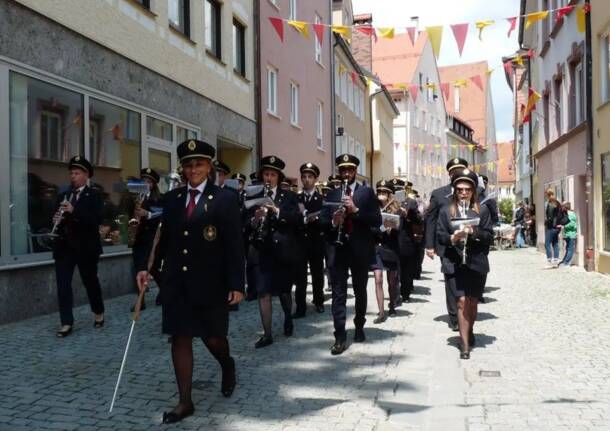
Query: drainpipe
(590, 234)
(333, 114)
(371, 97)
(257, 83)
(530, 162)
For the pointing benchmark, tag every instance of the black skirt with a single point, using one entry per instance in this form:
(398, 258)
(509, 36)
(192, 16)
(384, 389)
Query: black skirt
(468, 283)
(181, 318)
(273, 278)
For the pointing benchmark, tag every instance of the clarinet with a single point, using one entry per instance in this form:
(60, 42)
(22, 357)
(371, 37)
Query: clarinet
(262, 231)
(464, 208)
(340, 240)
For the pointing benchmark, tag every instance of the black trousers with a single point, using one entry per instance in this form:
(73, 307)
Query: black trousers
(315, 262)
(342, 267)
(450, 298)
(408, 271)
(65, 262)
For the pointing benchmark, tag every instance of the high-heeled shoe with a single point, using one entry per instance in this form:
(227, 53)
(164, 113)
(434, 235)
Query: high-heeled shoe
(465, 354)
(64, 331)
(228, 379)
(174, 416)
(263, 342)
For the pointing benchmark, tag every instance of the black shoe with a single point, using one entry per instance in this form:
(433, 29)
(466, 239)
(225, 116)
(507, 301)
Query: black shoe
(380, 319)
(319, 309)
(173, 416)
(288, 328)
(142, 308)
(392, 312)
(98, 324)
(482, 300)
(359, 335)
(471, 340)
(454, 326)
(263, 341)
(228, 379)
(338, 348)
(64, 331)
(158, 300)
(298, 315)
(465, 355)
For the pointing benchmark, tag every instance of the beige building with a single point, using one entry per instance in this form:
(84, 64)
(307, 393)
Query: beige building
(383, 114)
(120, 82)
(600, 25)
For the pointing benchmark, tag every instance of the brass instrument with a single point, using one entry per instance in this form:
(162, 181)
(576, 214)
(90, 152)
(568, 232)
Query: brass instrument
(341, 234)
(53, 232)
(262, 230)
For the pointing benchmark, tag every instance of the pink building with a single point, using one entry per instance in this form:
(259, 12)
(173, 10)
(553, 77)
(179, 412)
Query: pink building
(295, 104)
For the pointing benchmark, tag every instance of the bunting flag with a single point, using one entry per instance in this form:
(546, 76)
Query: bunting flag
(519, 60)
(508, 67)
(563, 11)
(319, 30)
(354, 77)
(460, 83)
(480, 25)
(278, 25)
(411, 33)
(532, 98)
(445, 89)
(489, 72)
(386, 32)
(435, 34)
(368, 81)
(431, 85)
(513, 24)
(460, 31)
(531, 18)
(413, 89)
(342, 69)
(368, 30)
(477, 81)
(300, 26)
(580, 19)
(343, 30)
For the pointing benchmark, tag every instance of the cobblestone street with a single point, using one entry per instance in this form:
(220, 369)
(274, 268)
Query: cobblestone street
(542, 362)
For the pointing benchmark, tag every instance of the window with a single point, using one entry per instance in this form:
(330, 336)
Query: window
(183, 134)
(272, 90)
(337, 79)
(213, 28)
(606, 199)
(178, 12)
(46, 130)
(239, 48)
(424, 121)
(547, 121)
(320, 125)
(558, 90)
(317, 44)
(294, 104)
(579, 95)
(350, 93)
(456, 99)
(546, 23)
(344, 87)
(161, 131)
(421, 81)
(416, 117)
(144, 3)
(292, 14)
(605, 68)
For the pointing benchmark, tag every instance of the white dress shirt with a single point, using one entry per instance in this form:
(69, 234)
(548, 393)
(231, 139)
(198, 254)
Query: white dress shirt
(200, 187)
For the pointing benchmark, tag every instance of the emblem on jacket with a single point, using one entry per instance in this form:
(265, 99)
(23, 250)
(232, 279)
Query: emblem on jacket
(209, 233)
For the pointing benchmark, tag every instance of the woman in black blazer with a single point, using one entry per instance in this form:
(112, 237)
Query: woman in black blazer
(469, 277)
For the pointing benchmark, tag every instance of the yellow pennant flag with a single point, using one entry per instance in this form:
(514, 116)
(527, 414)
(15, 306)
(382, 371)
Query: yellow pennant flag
(402, 86)
(342, 69)
(460, 83)
(431, 85)
(343, 30)
(480, 25)
(421, 147)
(580, 19)
(387, 32)
(471, 147)
(301, 26)
(368, 81)
(534, 17)
(490, 71)
(519, 60)
(435, 34)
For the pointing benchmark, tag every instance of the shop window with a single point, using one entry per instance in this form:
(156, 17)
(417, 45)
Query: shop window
(46, 130)
(114, 136)
(606, 199)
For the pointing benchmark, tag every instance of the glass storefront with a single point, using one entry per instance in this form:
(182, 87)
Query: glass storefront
(47, 128)
(606, 199)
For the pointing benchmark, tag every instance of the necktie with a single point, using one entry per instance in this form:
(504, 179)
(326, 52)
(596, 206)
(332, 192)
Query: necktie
(348, 220)
(74, 197)
(191, 205)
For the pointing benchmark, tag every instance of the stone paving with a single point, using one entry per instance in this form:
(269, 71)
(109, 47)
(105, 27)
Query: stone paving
(542, 363)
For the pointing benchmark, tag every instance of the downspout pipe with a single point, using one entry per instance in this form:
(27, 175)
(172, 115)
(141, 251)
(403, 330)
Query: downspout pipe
(371, 97)
(257, 83)
(333, 115)
(590, 235)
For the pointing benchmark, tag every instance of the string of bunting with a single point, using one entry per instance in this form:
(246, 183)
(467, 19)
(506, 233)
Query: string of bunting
(435, 33)
(491, 166)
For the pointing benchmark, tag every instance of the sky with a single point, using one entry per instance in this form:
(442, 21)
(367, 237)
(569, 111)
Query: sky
(495, 44)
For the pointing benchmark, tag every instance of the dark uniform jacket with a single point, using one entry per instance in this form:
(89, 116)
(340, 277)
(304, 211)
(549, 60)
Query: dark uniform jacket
(477, 247)
(409, 226)
(203, 256)
(492, 206)
(439, 198)
(79, 232)
(279, 245)
(311, 235)
(361, 241)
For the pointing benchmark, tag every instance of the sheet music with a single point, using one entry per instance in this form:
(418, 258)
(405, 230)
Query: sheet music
(391, 220)
(258, 202)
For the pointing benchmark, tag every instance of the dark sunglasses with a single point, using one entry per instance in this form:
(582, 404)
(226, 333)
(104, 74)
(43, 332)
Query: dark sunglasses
(463, 189)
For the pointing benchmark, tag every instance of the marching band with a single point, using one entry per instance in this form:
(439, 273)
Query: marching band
(210, 241)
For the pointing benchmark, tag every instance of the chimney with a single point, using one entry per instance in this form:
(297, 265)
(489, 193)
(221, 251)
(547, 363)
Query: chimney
(362, 44)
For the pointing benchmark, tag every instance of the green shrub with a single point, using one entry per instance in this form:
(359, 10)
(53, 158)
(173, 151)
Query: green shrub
(505, 206)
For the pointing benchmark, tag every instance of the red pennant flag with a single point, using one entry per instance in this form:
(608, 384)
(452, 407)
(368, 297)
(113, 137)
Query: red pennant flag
(396, 145)
(319, 30)
(460, 31)
(531, 53)
(278, 25)
(513, 25)
(413, 89)
(368, 30)
(586, 7)
(563, 11)
(445, 89)
(477, 81)
(508, 67)
(411, 33)
(354, 77)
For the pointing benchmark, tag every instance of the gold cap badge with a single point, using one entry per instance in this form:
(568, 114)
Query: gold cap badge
(77, 159)
(466, 172)
(272, 159)
(383, 183)
(456, 160)
(346, 158)
(192, 145)
(148, 171)
(309, 165)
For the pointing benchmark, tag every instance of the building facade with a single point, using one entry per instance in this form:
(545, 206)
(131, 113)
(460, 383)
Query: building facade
(600, 29)
(123, 95)
(559, 125)
(420, 150)
(295, 86)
